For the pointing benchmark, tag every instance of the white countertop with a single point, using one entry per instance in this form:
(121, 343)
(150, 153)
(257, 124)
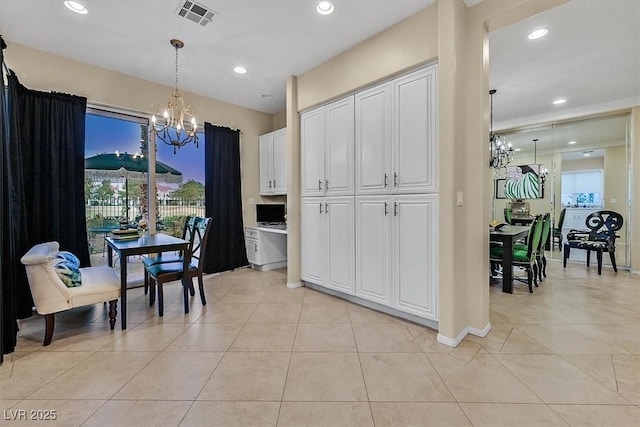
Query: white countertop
(270, 230)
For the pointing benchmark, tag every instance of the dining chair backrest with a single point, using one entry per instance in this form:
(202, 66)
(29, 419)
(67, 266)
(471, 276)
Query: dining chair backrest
(544, 234)
(561, 219)
(603, 226)
(533, 240)
(199, 235)
(507, 215)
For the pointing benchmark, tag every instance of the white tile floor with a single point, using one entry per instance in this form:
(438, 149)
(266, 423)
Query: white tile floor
(260, 354)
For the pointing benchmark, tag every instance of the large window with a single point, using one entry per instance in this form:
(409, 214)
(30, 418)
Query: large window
(582, 188)
(116, 196)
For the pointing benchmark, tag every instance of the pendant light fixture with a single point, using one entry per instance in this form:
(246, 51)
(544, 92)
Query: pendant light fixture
(499, 155)
(178, 126)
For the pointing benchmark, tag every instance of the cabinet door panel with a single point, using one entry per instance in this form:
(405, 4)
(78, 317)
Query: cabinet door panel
(414, 133)
(415, 257)
(340, 249)
(312, 240)
(312, 152)
(339, 147)
(266, 163)
(373, 248)
(373, 140)
(252, 250)
(280, 162)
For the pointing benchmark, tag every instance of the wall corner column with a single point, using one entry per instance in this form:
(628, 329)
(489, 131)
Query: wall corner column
(293, 185)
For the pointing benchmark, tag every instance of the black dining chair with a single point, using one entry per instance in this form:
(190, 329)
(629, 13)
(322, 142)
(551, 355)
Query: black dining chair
(544, 237)
(557, 230)
(600, 238)
(187, 232)
(170, 271)
(524, 256)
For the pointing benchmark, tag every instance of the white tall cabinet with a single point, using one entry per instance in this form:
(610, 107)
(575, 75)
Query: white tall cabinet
(378, 150)
(273, 163)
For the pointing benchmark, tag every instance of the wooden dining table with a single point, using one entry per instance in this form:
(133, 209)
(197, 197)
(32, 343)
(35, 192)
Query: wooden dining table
(507, 235)
(154, 243)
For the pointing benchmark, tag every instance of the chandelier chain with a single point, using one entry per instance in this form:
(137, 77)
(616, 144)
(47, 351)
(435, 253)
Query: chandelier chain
(176, 67)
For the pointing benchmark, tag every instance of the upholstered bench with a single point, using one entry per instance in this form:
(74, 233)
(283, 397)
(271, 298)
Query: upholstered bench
(51, 295)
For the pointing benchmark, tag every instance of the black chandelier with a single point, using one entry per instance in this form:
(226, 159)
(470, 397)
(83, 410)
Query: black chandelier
(499, 155)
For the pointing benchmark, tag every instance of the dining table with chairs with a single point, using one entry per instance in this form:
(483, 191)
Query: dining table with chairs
(507, 235)
(144, 245)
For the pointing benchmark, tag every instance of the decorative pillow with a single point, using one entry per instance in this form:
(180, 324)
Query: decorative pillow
(67, 271)
(68, 256)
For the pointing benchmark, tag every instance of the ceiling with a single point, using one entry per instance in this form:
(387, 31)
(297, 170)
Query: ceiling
(271, 39)
(591, 55)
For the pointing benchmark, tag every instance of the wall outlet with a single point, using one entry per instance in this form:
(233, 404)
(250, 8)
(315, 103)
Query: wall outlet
(613, 201)
(460, 198)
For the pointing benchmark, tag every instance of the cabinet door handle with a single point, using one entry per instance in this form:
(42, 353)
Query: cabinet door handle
(274, 183)
(269, 183)
(386, 208)
(326, 208)
(326, 184)
(385, 180)
(320, 208)
(395, 208)
(256, 246)
(319, 185)
(395, 179)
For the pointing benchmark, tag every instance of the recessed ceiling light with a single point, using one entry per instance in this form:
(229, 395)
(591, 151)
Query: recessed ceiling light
(559, 101)
(325, 8)
(517, 149)
(76, 7)
(572, 142)
(240, 70)
(538, 33)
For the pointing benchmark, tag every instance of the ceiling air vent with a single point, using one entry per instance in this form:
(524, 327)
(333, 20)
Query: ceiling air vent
(195, 12)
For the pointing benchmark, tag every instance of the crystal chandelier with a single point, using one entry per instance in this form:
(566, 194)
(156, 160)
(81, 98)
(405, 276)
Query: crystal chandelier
(499, 155)
(178, 126)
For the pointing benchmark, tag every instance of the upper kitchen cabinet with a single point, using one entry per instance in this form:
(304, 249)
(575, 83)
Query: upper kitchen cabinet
(327, 136)
(273, 163)
(395, 134)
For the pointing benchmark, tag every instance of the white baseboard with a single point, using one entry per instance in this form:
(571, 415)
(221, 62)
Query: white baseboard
(453, 342)
(294, 285)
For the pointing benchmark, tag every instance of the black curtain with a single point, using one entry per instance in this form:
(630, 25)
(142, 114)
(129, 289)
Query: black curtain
(42, 189)
(7, 328)
(223, 200)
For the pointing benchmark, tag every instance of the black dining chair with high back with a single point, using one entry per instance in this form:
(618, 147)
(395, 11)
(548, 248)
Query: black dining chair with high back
(557, 230)
(600, 238)
(187, 232)
(524, 257)
(544, 236)
(170, 271)
(508, 217)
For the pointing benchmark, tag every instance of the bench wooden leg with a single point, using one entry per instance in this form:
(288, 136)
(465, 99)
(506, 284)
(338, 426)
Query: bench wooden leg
(50, 323)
